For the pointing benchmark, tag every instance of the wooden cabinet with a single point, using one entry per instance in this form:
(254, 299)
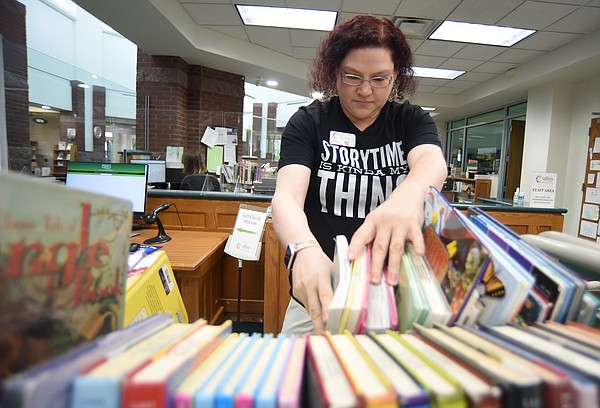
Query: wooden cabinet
(62, 154)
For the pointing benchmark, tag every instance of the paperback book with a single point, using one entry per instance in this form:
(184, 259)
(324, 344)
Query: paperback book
(63, 266)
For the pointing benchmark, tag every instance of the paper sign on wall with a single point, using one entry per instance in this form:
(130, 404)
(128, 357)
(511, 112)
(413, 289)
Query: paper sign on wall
(543, 190)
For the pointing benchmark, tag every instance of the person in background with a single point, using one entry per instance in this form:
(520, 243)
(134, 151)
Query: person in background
(192, 164)
(358, 162)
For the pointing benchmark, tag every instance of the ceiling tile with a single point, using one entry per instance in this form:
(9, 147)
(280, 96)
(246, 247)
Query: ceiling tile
(494, 67)
(462, 64)
(313, 4)
(428, 61)
(304, 52)
(479, 52)
(517, 56)
(384, 8)
(545, 14)
(432, 81)
(483, 11)
(477, 76)
(306, 38)
(277, 39)
(576, 2)
(546, 41)
(439, 48)
(215, 14)
(583, 21)
(431, 9)
(425, 88)
(448, 91)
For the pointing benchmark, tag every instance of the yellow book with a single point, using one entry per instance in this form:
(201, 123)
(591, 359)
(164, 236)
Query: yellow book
(151, 288)
(443, 392)
(370, 384)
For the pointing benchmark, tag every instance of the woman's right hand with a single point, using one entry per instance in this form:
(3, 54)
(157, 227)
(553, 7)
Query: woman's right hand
(311, 277)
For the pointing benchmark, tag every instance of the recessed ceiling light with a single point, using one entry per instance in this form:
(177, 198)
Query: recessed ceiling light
(437, 73)
(479, 33)
(272, 82)
(83, 85)
(306, 19)
(45, 107)
(428, 108)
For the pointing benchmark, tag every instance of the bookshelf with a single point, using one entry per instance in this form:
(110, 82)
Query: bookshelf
(61, 155)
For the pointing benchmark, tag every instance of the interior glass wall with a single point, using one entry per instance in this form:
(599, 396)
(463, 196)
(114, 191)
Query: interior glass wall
(479, 146)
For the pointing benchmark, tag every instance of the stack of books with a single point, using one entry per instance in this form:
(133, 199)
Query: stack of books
(169, 364)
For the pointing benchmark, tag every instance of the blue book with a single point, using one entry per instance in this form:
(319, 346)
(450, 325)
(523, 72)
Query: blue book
(268, 386)
(205, 395)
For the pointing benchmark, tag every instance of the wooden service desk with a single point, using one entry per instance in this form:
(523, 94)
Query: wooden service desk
(195, 257)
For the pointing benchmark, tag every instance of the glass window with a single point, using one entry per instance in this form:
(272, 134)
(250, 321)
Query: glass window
(517, 110)
(457, 124)
(484, 144)
(455, 151)
(486, 117)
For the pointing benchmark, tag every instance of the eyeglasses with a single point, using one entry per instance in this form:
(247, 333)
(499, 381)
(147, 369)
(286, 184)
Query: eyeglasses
(375, 82)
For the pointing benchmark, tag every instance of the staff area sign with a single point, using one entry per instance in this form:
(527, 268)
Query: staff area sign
(543, 190)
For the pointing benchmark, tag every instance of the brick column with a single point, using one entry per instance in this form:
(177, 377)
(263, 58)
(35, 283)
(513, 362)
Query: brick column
(14, 48)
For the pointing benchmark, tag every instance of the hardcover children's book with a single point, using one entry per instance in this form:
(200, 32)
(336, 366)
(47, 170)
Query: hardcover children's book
(63, 265)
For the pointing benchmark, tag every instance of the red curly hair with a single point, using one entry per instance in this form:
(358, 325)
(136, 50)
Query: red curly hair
(362, 32)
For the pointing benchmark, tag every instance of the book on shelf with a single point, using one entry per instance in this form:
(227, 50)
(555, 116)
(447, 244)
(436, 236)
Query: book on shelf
(443, 391)
(267, 388)
(63, 263)
(519, 389)
(372, 387)
(357, 304)
(243, 374)
(480, 390)
(154, 384)
(289, 394)
(557, 389)
(409, 392)
(206, 393)
(49, 384)
(184, 394)
(327, 383)
(151, 288)
(100, 387)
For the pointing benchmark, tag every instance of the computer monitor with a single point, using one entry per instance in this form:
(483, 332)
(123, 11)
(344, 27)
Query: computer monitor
(157, 169)
(126, 181)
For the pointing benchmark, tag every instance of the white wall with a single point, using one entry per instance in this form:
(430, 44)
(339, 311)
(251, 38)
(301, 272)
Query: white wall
(586, 102)
(556, 140)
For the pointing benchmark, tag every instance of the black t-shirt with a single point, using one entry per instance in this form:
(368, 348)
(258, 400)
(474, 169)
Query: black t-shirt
(352, 171)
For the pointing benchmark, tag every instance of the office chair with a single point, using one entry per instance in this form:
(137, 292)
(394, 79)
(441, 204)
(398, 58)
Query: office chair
(202, 182)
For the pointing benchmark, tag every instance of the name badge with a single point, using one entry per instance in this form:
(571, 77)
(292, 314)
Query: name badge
(342, 139)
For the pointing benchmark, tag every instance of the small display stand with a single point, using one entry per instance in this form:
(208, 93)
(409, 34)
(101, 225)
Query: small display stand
(245, 244)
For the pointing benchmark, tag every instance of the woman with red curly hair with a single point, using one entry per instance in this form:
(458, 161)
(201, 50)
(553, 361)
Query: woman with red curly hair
(357, 163)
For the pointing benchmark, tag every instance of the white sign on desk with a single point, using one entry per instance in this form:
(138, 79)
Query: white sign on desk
(543, 190)
(245, 241)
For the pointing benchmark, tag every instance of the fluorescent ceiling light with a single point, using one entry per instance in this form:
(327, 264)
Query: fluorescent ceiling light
(479, 33)
(272, 82)
(428, 108)
(305, 19)
(437, 73)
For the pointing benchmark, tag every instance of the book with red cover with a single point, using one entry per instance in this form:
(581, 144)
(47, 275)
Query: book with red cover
(154, 384)
(63, 265)
(327, 384)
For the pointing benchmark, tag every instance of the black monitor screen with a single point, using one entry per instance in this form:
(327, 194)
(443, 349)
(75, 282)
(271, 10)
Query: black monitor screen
(125, 181)
(157, 169)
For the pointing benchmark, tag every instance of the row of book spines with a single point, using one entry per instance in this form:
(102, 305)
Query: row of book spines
(355, 366)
